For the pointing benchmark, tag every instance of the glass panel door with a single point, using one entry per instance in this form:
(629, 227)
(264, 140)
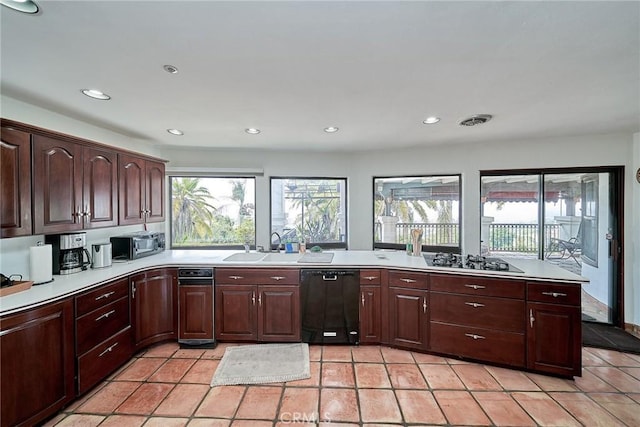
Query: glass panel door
(578, 214)
(510, 212)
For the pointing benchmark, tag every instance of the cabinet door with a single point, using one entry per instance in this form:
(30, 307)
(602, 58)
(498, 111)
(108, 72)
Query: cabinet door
(37, 367)
(154, 296)
(278, 313)
(236, 312)
(154, 191)
(15, 183)
(57, 186)
(554, 339)
(100, 195)
(131, 184)
(196, 313)
(370, 324)
(408, 317)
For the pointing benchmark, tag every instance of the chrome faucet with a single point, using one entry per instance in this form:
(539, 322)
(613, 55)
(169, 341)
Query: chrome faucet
(279, 241)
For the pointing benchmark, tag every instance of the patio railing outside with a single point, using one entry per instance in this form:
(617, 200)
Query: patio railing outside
(502, 237)
(519, 237)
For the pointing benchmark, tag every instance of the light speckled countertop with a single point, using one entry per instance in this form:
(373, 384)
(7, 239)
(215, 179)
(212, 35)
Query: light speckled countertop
(64, 286)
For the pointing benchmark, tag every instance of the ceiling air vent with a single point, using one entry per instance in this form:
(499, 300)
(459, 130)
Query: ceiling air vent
(478, 119)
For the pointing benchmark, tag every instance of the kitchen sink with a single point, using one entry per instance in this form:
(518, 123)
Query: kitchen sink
(281, 257)
(246, 257)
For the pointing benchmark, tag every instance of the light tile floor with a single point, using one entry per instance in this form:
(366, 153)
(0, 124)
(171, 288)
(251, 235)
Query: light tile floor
(360, 386)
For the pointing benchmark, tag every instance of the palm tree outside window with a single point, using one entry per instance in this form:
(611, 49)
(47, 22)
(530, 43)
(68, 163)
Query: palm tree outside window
(212, 212)
(428, 203)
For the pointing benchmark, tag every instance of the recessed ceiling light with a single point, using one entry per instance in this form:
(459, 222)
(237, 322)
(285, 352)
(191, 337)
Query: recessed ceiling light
(331, 129)
(24, 6)
(171, 69)
(96, 94)
(175, 131)
(252, 131)
(431, 120)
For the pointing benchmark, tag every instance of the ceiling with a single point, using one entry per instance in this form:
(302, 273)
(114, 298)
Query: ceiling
(375, 70)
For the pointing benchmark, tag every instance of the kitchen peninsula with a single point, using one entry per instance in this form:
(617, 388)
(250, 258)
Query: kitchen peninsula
(93, 322)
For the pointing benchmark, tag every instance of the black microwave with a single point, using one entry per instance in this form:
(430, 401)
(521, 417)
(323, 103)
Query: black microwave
(137, 245)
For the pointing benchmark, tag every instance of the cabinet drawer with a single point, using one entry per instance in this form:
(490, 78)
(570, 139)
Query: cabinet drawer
(483, 312)
(473, 285)
(408, 280)
(506, 348)
(104, 359)
(370, 277)
(255, 276)
(103, 295)
(100, 324)
(554, 293)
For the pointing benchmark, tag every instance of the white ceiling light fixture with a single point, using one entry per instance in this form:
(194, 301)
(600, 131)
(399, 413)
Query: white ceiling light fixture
(175, 132)
(431, 120)
(24, 6)
(478, 119)
(252, 131)
(331, 129)
(96, 94)
(170, 69)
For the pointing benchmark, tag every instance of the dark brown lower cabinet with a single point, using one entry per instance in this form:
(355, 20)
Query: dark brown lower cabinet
(554, 339)
(370, 321)
(154, 304)
(408, 319)
(279, 313)
(196, 312)
(257, 313)
(37, 368)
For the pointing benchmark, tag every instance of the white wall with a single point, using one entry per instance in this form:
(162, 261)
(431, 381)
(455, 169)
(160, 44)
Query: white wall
(26, 113)
(360, 168)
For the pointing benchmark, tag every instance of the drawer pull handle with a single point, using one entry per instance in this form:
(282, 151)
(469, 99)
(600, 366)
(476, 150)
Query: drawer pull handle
(363, 299)
(554, 294)
(408, 280)
(476, 287)
(107, 295)
(474, 304)
(531, 318)
(277, 278)
(260, 299)
(370, 278)
(253, 298)
(106, 315)
(475, 337)
(108, 350)
(236, 277)
(424, 304)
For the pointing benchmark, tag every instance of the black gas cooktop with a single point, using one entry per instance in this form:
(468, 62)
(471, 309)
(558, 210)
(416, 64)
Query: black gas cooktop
(471, 262)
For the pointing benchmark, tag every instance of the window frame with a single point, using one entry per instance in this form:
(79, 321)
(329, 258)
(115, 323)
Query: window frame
(425, 248)
(336, 245)
(209, 176)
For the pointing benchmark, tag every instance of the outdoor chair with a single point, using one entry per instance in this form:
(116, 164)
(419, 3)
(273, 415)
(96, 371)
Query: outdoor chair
(565, 249)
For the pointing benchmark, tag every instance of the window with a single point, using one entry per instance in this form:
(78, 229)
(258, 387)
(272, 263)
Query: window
(310, 208)
(212, 212)
(430, 204)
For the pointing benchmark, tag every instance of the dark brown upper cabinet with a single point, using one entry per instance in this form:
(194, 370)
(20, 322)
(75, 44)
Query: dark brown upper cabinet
(141, 190)
(15, 182)
(75, 186)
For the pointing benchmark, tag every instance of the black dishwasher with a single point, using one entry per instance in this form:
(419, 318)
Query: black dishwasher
(329, 306)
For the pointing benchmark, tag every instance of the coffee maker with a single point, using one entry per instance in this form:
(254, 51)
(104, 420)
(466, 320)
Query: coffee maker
(69, 252)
